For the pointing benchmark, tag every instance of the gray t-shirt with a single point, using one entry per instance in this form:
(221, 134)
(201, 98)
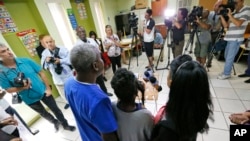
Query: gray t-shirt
(133, 126)
(204, 35)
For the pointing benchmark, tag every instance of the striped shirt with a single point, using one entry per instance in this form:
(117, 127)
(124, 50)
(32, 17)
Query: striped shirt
(235, 33)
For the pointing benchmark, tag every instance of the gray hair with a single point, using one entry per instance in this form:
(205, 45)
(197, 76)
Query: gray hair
(2, 45)
(82, 56)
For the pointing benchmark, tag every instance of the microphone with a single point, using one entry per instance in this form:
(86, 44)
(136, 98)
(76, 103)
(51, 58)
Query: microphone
(155, 83)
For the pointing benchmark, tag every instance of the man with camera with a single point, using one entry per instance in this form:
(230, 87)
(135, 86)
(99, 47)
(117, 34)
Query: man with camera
(204, 37)
(34, 89)
(236, 25)
(56, 60)
(179, 25)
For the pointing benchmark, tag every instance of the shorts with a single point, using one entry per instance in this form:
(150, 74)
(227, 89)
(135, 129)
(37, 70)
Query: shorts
(149, 48)
(201, 50)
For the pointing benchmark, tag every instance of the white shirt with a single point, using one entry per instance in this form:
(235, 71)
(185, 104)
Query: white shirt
(89, 41)
(58, 79)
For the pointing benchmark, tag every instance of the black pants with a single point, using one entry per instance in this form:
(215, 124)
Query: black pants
(51, 103)
(115, 61)
(100, 82)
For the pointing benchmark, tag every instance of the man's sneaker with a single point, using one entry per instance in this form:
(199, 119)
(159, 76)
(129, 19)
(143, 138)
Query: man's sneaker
(56, 125)
(109, 94)
(247, 81)
(66, 106)
(223, 77)
(69, 127)
(243, 75)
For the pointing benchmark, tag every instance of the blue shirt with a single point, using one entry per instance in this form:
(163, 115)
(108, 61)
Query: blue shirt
(158, 39)
(30, 70)
(91, 108)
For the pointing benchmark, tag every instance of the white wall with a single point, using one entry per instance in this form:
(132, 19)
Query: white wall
(42, 6)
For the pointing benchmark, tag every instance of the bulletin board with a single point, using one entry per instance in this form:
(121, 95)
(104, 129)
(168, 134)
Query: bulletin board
(81, 10)
(30, 40)
(6, 23)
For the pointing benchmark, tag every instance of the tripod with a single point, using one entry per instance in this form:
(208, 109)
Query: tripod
(191, 38)
(134, 42)
(213, 50)
(170, 45)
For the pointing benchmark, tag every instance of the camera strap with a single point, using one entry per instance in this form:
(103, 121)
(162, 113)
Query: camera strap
(55, 53)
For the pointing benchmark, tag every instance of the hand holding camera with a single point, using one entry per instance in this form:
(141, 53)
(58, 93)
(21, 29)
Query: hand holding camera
(21, 81)
(53, 60)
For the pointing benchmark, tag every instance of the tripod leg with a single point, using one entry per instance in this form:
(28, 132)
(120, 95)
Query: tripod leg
(234, 70)
(160, 55)
(131, 54)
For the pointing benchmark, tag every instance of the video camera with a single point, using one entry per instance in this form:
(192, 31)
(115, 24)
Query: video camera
(196, 12)
(133, 21)
(20, 80)
(224, 9)
(168, 23)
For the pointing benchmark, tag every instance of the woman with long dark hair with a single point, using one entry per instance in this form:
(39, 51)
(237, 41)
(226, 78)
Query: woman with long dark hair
(189, 105)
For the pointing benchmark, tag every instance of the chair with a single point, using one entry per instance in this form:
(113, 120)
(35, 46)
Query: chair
(243, 51)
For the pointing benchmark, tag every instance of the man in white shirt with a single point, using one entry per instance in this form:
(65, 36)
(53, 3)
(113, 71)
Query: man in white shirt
(83, 39)
(56, 60)
(148, 37)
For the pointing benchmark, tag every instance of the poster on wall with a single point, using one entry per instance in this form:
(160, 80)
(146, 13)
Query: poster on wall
(30, 40)
(72, 18)
(6, 23)
(81, 10)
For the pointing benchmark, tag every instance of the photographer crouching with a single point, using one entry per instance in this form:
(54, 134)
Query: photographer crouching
(33, 91)
(236, 25)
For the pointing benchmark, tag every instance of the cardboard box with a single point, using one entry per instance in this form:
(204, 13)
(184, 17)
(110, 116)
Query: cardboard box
(139, 4)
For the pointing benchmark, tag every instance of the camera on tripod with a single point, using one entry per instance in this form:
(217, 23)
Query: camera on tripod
(169, 16)
(196, 12)
(224, 9)
(20, 80)
(133, 21)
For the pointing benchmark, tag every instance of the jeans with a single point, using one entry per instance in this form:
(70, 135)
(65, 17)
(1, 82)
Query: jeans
(248, 64)
(231, 50)
(51, 103)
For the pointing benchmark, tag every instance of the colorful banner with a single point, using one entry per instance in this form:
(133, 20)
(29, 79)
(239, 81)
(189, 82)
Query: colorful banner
(6, 23)
(81, 11)
(30, 40)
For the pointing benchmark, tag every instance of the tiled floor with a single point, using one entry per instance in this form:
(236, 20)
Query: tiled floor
(229, 96)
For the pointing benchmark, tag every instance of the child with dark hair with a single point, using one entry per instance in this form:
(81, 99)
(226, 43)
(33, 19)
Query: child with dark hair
(189, 104)
(135, 122)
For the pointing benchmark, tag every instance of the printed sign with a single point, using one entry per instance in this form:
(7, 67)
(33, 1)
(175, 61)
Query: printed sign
(6, 23)
(30, 40)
